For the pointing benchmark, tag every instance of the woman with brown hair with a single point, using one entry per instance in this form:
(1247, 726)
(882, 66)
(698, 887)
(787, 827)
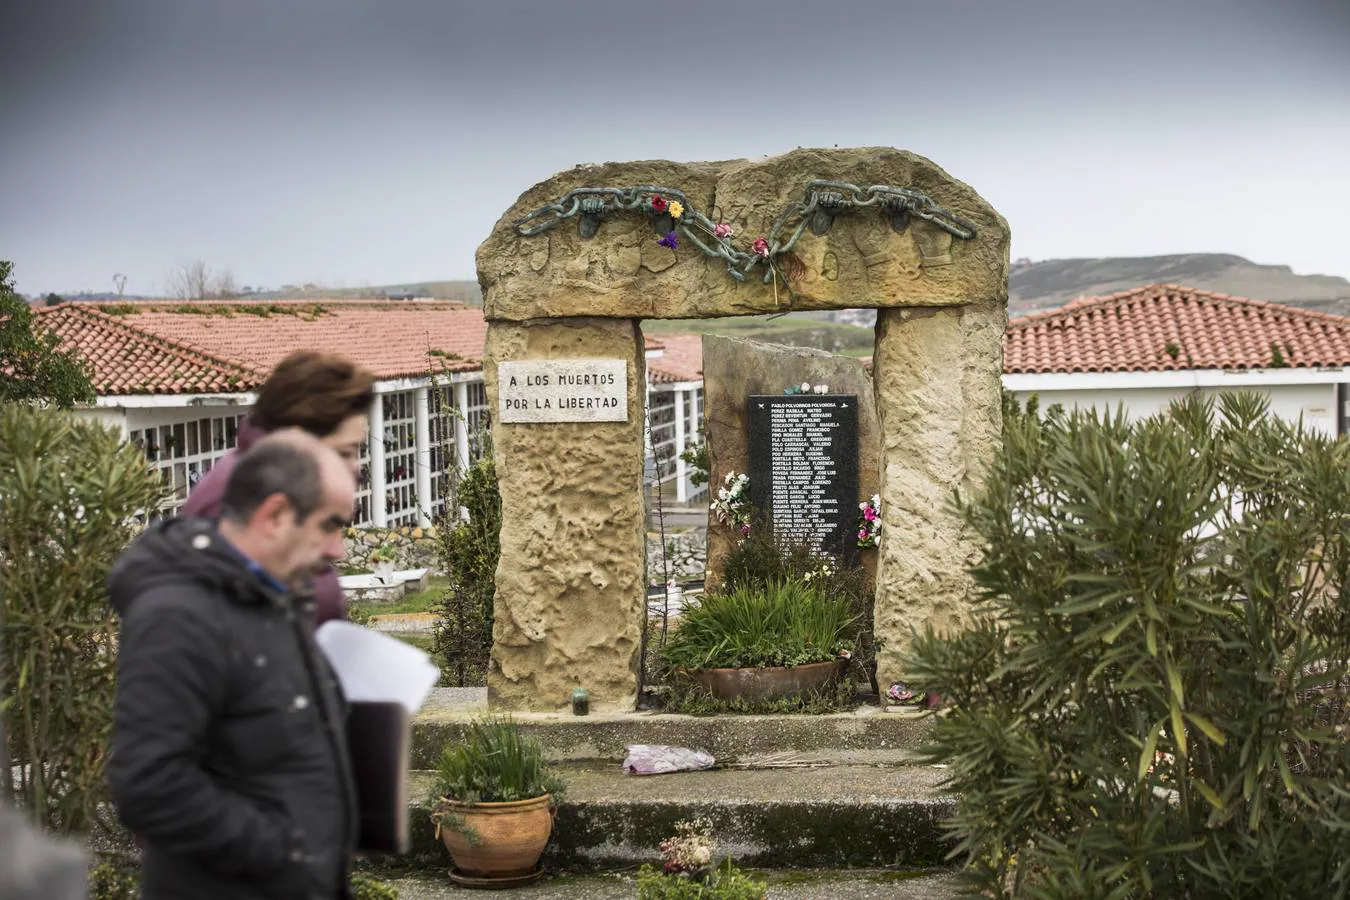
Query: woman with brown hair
(328, 396)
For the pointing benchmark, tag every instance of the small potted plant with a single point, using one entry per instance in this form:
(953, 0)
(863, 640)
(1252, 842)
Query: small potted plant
(494, 805)
(382, 560)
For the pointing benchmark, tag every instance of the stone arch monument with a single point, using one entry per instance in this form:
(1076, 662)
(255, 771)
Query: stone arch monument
(572, 268)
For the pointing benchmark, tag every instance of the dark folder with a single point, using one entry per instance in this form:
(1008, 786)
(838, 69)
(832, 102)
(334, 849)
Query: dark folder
(379, 740)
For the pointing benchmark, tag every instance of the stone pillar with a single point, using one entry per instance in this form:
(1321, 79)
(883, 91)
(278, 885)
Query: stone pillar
(378, 516)
(422, 469)
(938, 383)
(569, 602)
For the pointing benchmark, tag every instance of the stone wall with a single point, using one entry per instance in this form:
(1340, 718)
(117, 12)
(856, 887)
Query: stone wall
(686, 554)
(414, 548)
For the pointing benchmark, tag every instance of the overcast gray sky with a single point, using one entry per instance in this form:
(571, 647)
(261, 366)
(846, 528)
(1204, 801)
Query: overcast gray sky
(354, 141)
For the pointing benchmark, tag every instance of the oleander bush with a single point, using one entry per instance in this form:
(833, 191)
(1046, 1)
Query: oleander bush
(1151, 701)
(71, 497)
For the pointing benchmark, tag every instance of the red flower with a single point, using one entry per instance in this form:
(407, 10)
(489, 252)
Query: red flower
(659, 203)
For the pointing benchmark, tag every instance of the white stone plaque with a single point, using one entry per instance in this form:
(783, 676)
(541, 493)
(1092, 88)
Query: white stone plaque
(562, 390)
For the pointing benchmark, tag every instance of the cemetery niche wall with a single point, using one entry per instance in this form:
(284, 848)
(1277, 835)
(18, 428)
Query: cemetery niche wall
(569, 272)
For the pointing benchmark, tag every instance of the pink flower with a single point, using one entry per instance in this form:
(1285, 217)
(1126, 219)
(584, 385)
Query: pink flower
(745, 529)
(722, 230)
(869, 514)
(862, 534)
(761, 247)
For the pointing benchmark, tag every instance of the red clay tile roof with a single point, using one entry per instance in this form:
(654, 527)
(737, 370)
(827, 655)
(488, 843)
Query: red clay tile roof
(172, 348)
(681, 359)
(176, 348)
(125, 360)
(1165, 327)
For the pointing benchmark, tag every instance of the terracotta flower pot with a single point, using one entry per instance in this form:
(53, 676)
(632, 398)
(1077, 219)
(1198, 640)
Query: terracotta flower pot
(767, 683)
(511, 837)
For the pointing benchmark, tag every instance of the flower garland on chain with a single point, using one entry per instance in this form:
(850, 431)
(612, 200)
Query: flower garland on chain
(869, 523)
(660, 206)
(675, 209)
(732, 506)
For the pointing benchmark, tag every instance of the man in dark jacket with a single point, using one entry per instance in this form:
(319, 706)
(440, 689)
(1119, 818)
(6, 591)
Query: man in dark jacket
(229, 758)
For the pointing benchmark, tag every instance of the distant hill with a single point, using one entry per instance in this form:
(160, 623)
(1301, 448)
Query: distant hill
(1054, 282)
(1033, 286)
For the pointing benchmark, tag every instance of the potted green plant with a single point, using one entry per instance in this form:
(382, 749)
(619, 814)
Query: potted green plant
(494, 804)
(764, 642)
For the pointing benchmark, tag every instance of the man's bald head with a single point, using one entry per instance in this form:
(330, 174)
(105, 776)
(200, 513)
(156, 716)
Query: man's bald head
(290, 462)
(287, 502)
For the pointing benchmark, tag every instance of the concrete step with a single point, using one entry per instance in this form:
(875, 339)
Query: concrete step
(837, 816)
(852, 884)
(865, 736)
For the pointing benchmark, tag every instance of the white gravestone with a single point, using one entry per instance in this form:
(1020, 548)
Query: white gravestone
(562, 390)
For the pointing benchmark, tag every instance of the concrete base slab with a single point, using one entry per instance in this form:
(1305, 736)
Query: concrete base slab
(814, 884)
(849, 736)
(371, 588)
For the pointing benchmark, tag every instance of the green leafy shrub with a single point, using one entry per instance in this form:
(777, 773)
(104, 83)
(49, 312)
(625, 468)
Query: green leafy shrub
(36, 369)
(765, 558)
(468, 553)
(114, 880)
(1151, 702)
(70, 492)
(696, 455)
(726, 882)
(494, 763)
(366, 888)
(785, 623)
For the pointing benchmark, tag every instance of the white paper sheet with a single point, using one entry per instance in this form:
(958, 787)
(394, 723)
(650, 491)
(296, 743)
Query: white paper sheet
(374, 666)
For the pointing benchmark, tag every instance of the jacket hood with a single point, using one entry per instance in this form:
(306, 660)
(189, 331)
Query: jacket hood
(182, 551)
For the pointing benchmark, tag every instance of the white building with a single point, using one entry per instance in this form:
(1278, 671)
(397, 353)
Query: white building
(1143, 348)
(177, 378)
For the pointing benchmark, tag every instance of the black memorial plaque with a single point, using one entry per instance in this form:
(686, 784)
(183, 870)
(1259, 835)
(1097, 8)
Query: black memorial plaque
(804, 467)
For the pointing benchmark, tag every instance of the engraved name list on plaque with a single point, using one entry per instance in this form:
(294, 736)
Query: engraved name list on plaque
(804, 467)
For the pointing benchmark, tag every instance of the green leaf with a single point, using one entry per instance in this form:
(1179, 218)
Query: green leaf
(1150, 749)
(1174, 682)
(1208, 793)
(1211, 731)
(1178, 728)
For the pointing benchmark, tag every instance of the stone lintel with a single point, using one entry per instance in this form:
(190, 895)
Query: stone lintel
(862, 260)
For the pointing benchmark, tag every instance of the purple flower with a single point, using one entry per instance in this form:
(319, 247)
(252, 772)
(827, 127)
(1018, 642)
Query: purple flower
(671, 240)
